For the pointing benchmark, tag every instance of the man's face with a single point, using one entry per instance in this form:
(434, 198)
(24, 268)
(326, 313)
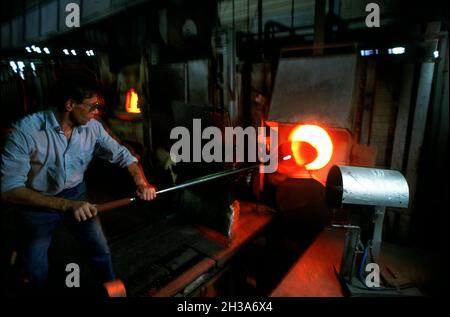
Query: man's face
(84, 111)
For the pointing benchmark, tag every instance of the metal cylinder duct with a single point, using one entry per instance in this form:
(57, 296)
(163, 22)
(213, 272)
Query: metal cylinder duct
(366, 186)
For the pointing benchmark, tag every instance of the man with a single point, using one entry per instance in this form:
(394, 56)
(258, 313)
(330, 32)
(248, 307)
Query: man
(43, 165)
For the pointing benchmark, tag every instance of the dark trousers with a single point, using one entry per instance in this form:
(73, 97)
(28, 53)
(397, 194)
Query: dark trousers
(37, 228)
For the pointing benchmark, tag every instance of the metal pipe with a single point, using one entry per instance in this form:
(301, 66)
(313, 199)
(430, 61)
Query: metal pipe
(199, 180)
(207, 178)
(366, 186)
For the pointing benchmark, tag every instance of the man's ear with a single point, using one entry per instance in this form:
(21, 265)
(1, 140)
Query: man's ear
(68, 105)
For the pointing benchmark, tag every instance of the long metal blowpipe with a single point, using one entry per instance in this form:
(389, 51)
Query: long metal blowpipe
(199, 180)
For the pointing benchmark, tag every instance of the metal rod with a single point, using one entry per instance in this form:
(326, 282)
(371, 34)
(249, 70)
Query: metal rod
(199, 180)
(207, 178)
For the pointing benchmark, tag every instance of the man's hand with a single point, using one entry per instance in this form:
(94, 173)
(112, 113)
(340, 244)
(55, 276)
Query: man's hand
(25, 196)
(82, 210)
(146, 191)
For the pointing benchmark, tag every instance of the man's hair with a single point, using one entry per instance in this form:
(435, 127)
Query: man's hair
(76, 87)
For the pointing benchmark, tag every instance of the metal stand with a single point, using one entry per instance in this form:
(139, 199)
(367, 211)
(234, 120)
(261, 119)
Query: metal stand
(349, 258)
(371, 187)
(352, 260)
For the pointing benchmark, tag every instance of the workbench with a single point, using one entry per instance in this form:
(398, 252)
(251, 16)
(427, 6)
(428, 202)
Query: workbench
(313, 273)
(172, 259)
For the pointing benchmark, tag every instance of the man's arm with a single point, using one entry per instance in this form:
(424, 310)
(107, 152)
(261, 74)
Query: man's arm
(29, 197)
(81, 210)
(109, 149)
(14, 170)
(145, 190)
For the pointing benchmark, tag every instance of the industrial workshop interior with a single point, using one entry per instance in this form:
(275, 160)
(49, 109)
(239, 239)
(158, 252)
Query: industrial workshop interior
(251, 148)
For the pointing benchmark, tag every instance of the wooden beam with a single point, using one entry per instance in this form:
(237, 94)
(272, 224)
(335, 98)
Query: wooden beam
(319, 26)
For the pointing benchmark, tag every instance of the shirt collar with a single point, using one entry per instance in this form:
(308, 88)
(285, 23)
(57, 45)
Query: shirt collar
(51, 121)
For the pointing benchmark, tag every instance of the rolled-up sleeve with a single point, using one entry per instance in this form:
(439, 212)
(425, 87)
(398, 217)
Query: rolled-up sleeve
(15, 161)
(109, 149)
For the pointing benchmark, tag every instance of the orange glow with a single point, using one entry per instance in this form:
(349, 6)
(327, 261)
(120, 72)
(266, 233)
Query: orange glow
(319, 139)
(131, 103)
